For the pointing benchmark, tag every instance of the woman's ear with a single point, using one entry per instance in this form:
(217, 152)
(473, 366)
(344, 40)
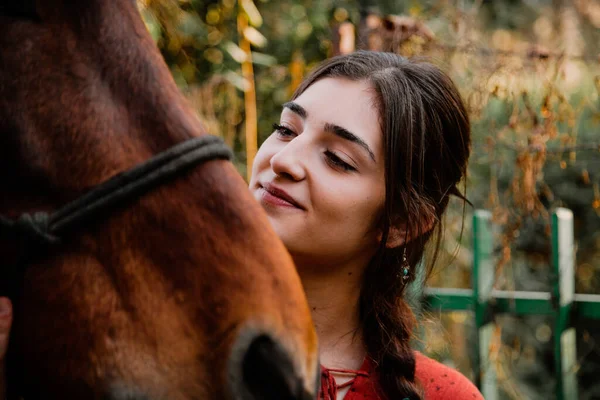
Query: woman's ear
(397, 235)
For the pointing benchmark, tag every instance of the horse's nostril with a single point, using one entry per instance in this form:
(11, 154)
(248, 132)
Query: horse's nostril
(269, 374)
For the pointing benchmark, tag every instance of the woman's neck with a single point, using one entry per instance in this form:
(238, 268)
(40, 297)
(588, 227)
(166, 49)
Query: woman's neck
(333, 294)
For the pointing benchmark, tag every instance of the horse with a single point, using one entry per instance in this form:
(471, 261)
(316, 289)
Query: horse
(182, 291)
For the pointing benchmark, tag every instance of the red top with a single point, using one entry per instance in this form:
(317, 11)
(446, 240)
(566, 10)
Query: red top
(438, 381)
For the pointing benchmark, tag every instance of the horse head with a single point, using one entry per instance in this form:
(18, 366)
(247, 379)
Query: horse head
(182, 293)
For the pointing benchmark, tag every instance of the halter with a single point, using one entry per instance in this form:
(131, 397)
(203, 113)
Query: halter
(40, 230)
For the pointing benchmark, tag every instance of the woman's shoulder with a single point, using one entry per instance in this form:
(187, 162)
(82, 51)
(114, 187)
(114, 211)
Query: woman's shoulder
(441, 382)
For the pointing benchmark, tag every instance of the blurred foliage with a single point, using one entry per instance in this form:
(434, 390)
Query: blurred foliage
(530, 73)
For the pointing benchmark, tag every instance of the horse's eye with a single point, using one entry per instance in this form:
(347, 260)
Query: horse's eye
(19, 9)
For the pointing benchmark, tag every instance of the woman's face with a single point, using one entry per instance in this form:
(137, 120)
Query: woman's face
(320, 175)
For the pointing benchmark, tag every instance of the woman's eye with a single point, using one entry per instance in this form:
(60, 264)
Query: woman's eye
(337, 162)
(283, 131)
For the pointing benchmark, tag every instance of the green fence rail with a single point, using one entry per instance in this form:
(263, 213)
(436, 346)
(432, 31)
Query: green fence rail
(484, 301)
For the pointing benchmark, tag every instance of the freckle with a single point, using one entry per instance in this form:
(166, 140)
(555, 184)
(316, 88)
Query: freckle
(349, 273)
(314, 308)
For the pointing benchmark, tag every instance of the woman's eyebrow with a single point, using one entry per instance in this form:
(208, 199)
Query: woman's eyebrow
(297, 108)
(332, 128)
(347, 135)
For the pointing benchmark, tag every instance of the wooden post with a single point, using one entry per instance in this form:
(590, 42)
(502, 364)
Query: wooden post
(563, 261)
(296, 71)
(251, 119)
(483, 281)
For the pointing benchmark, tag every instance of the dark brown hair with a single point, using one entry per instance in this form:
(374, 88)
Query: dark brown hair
(426, 145)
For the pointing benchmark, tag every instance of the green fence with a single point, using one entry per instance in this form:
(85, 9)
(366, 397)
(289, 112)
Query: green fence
(484, 301)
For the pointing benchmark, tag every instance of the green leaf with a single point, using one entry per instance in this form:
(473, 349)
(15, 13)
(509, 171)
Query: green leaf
(252, 12)
(263, 59)
(237, 80)
(235, 52)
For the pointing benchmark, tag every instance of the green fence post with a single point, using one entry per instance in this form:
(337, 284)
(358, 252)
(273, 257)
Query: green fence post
(563, 260)
(483, 281)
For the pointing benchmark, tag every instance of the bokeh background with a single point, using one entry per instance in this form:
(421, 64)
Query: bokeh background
(529, 71)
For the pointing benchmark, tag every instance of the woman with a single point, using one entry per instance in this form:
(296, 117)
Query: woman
(355, 179)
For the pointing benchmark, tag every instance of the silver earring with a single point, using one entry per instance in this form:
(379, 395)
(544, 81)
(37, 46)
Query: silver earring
(404, 273)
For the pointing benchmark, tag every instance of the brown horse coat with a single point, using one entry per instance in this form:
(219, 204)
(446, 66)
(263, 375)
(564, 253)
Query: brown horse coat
(163, 298)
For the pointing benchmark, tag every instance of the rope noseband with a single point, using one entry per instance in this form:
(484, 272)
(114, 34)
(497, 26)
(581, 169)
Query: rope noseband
(42, 229)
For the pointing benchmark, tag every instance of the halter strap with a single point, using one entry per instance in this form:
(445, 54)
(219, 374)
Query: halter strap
(42, 229)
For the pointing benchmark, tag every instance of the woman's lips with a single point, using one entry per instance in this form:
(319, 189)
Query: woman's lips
(278, 197)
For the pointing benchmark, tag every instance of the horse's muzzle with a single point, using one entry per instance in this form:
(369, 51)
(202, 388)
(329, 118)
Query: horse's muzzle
(261, 368)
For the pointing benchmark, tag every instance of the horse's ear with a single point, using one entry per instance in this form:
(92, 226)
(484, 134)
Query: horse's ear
(19, 9)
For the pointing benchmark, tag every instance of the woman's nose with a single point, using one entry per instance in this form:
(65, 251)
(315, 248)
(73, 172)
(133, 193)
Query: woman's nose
(289, 162)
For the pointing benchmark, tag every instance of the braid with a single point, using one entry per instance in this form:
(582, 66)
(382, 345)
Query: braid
(387, 324)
